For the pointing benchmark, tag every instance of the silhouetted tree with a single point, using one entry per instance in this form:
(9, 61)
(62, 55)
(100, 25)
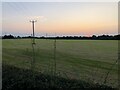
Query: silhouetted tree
(18, 37)
(8, 37)
(101, 37)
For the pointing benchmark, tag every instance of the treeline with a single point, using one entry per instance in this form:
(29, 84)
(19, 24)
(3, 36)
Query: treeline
(94, 37)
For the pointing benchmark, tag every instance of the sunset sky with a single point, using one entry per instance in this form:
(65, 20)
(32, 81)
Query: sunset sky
(62, 18)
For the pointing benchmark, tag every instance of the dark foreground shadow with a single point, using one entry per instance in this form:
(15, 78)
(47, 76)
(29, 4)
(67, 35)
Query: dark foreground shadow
(14, 78)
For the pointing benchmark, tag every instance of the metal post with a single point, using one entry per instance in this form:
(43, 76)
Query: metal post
(33, 46)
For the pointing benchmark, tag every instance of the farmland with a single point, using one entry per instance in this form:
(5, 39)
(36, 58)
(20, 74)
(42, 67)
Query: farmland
(87, 60)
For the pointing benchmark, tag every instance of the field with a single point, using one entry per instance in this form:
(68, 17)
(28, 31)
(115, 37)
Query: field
(87, 60)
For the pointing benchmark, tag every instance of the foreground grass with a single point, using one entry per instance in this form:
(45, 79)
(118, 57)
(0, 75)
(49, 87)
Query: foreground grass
(16, 78)
(87, 60)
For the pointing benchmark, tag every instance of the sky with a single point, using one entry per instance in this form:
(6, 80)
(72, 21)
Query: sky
(61, 18)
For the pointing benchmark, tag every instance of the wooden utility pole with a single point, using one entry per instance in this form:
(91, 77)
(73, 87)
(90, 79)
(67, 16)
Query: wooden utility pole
(33, 22)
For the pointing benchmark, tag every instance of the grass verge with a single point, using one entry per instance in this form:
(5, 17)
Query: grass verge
(16, 78)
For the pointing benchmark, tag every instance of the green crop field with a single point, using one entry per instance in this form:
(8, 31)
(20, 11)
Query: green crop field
(88, 60)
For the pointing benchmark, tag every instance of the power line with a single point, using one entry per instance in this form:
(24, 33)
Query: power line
(17, 9)
(23, 8)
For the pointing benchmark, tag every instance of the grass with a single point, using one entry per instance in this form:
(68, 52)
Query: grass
(75, 59)
(16, 78)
